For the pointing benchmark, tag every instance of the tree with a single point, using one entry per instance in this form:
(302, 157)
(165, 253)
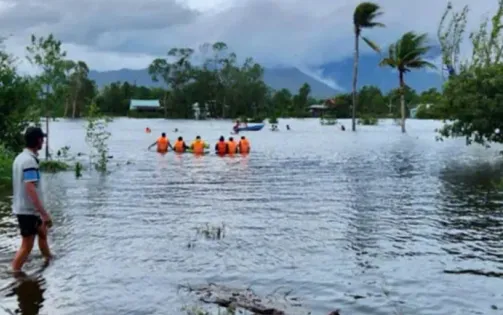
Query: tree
(364, 16)
(473, 98)
(47, 54)
(450, 38)
(17, 96)
(175, 74)
(404, 55)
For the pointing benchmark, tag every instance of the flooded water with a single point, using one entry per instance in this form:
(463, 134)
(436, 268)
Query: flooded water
(373, 222)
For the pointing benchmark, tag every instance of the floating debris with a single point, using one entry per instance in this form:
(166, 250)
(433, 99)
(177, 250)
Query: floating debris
(246, 299)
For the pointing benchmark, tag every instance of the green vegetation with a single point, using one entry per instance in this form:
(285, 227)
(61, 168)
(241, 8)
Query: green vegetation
(97, 137)
(472, 98)
(53, 166)
(404, 55)
(368, 121)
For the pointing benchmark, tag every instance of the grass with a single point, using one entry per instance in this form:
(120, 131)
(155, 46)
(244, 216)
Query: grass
(53, 166)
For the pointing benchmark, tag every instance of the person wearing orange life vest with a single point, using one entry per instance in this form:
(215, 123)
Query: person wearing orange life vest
(180, 146)
(162, 144)
(197, 146)
(244, 145)
(221, 147)
(232, 146)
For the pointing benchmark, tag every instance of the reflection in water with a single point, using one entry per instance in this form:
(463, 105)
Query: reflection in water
(30, 294)
(472, 216)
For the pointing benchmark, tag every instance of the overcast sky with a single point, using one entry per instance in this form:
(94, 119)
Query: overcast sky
(114, 34)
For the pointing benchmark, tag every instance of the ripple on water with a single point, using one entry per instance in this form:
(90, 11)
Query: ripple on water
(372, 222)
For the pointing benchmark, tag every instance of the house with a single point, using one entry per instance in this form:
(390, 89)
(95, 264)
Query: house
(318, 110)
(145, 105)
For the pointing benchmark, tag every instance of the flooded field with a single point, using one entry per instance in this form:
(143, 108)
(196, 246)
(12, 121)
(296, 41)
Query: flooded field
(373, 222)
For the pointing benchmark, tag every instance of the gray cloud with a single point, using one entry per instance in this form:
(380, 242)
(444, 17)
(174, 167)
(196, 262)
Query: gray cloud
(84, 22)
(272, 31)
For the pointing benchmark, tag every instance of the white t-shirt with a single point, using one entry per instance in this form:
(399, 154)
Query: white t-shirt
(25, 169)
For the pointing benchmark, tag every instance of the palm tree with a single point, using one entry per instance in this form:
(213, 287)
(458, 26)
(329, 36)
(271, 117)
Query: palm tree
(404, 55)
(363, 17)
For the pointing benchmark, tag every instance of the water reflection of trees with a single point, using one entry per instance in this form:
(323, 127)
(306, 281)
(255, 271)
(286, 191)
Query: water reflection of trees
(471, 210)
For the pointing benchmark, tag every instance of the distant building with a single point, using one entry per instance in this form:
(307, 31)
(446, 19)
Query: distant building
(144, 105)
(318, 110)
(200, 112)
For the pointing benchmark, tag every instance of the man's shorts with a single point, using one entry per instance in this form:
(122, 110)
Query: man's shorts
(28, 224)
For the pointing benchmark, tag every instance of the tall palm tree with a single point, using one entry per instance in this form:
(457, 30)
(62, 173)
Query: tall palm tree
(364, 17)
(404, 55)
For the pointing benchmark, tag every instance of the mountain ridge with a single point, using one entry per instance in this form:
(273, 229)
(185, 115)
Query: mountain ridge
(291, 78)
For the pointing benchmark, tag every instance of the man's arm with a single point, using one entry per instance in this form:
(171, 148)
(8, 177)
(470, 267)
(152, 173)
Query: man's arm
(152, 145)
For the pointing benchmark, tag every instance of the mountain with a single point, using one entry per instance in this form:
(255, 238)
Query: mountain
(370, 73)
(340, 72)
(277, 78)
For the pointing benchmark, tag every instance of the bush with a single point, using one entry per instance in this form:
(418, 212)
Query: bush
(6, 159)
(368, 121)
(53, 166)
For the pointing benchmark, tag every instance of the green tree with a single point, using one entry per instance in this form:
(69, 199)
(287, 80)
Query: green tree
(17, 96)
(473, 98)
(47, 54)
(364, 16)
(404, 55)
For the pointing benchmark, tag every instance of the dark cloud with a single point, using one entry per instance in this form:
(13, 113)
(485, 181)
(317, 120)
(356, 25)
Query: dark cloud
(272, 31)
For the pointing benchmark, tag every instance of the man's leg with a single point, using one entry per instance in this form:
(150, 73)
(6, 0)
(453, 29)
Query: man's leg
(43, 245)
(28, 225)
(23, 252)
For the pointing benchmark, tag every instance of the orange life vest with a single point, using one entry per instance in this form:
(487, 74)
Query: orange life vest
(198, 147)
(232, 147)
(162, 145)
(179, 146)
(244, 146)
(221, 147)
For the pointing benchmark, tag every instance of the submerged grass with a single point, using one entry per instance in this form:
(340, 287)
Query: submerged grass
(53, 166)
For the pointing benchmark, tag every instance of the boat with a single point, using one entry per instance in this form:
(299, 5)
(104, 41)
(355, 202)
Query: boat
(256, 127)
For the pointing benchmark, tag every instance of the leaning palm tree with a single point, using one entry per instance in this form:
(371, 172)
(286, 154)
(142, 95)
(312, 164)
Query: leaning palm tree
(404, 55)
(363, 17)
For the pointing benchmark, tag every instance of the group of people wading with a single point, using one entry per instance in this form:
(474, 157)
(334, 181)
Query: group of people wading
(198, 146)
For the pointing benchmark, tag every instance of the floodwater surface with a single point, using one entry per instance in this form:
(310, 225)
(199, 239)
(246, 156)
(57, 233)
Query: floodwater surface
(373, 222)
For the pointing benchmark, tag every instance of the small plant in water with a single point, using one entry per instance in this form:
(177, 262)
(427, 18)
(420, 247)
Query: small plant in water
(212, 232)
(97, 137)
(78, 170)
(53, 166)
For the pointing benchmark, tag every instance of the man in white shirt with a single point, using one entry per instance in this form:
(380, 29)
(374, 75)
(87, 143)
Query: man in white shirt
(27, 203)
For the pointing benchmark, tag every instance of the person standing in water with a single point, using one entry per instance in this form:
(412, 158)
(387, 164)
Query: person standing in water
(197, 146)
(244, 145)
(162, 144)
(221, 147)
(232, 147)
(180, 146)
(27, 204)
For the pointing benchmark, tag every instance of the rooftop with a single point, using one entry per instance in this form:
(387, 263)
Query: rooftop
(135, 104)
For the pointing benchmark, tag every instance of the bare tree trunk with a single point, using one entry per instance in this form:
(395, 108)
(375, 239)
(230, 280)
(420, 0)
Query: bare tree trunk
(402, 100)
(355, 79)
(67, 104)
(47, 117)
(165, 103)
